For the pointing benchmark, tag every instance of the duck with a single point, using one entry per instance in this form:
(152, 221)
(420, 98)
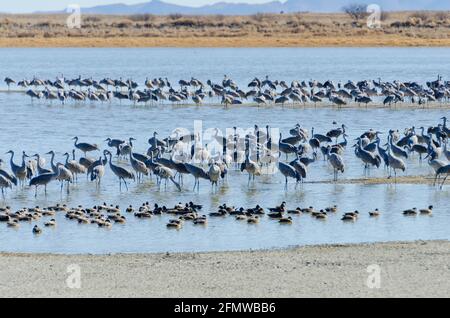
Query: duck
(348, 217)
(130, 209)
(13, 223)
(412, 211)
(50, 223)
(48, 213)
(322, 215)
(241, 217)
(37, 230)
(219, 213)
(287, 220)
(308, 210)
(174, 224)
(106, 224)
(427, 211)
(295, 211)
(354, 214)
(4, 218)
(374, 213)
(253, 220)
(332, 209)
(281, 208)
(201, 220)
(143, 215)
(275, 215)
(121, 220)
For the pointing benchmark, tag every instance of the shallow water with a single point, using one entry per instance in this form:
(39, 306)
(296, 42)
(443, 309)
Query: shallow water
(41, 127)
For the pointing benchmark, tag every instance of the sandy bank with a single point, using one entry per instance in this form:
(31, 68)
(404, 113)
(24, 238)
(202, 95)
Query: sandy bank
(229, 42)
(407, 269)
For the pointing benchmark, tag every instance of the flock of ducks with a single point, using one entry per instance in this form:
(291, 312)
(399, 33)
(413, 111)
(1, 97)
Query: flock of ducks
(255, 153)
(227, 92)
(104, 215)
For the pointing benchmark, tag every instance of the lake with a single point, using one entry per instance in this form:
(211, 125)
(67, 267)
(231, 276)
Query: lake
(41, 126)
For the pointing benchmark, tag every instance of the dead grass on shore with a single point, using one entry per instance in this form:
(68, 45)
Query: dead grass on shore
(261, 30)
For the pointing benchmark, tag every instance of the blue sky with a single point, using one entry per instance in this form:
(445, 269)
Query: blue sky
(50, 5)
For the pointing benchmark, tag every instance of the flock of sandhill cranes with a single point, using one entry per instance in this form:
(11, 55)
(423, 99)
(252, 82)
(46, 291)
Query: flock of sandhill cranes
(256, 152)
(227, 92)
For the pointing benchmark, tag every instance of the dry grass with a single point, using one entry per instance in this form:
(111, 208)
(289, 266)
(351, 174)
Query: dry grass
(302, 29)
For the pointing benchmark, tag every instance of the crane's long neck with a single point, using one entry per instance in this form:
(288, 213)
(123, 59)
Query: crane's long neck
(23, 160)
(11, 160)
(67, 158)
(54, 168)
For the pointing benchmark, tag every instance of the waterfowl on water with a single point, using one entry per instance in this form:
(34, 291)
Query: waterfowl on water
(37, 230)
(322, 215)
(50, 223)
(241, 217)
(281, 208)
(412, 211)
(374, 213)
(333, 209)
(296, 211)
(201, 220)
(427, 211)
(13, 223)
(253, 219)
(287, 220)
(130, 209)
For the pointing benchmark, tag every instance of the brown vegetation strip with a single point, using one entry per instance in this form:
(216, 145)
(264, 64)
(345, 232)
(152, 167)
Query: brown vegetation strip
(402, 29)
(381, 41)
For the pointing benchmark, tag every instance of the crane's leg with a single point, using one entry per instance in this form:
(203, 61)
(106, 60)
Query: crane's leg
(442, 185)
(126, 186)
(120, 184)
(45, 190)
(35, 191)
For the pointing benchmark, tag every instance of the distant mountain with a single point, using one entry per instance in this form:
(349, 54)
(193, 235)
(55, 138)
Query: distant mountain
(162, 8)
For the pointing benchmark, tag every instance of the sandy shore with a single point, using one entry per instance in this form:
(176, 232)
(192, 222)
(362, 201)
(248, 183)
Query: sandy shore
(219, 42)
(407, 270)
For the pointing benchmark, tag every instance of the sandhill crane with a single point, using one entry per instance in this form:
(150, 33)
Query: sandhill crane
(198, 174)
(7, 175)
(40, 169)
(115, 143)
(84, 147)
(395, 163)
(166, 174)
(19, 171)
(64, 175)
(9, 81)
(300, 167)
(336, 133)
(337, 162)
(120, 172)
(42, 180)
(214, 174)
(443, 170)
(288, 171)
(74, 167)
(396, 150)
(138, 166)
(367, 157)
(96, 163)
(126, 148)
(98, 172)
(4, 183)
(286, 148)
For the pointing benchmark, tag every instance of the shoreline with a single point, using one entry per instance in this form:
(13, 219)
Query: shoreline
(222, 42)
(408, 269)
